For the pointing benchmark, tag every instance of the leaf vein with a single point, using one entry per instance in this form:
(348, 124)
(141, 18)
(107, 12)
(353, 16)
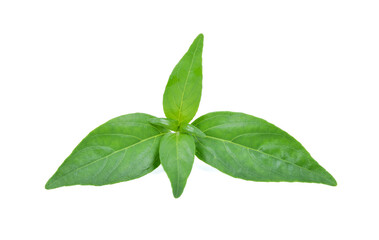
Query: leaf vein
(123, 149)
(269, 155)
(185, 83)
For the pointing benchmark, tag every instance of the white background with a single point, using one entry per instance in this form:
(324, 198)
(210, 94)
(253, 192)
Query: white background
(310, 67)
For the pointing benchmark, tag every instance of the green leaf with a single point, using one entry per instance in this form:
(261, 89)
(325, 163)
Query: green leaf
(177, 153)
(182, 95)
(121, 149)
(250, 148)
(166, 123)
(191, 129)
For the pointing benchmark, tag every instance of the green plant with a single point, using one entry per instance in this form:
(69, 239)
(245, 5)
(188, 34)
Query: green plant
(240, 145)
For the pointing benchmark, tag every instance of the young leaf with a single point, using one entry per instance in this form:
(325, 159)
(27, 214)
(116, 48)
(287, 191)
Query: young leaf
(243, 146)
(191, 129)
(165, 123)
(121, 149)
(177, 153)
(250, 148)
(181, 98)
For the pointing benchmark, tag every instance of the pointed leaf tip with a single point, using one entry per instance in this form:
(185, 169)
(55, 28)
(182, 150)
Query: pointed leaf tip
(48, 185)
(177, 153)
(332, 182)
(255, 150)
(121, 156)
(182, 95)
(177, 194)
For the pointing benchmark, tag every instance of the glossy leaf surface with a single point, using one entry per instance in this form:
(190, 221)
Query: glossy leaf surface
(165, 123)
(250, 148)
(121, 149)
(177, 153)
(182, 95)
(191, 129)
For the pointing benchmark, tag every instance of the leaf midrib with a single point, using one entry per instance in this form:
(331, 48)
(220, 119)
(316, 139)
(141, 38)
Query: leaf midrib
(255, 150)
(185, 83)
(122, 149)
(177, 163)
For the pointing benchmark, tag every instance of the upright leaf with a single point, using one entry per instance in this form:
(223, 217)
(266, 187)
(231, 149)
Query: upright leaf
(121, 149)
(250, 148)
(177, 153)
(182, 95)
